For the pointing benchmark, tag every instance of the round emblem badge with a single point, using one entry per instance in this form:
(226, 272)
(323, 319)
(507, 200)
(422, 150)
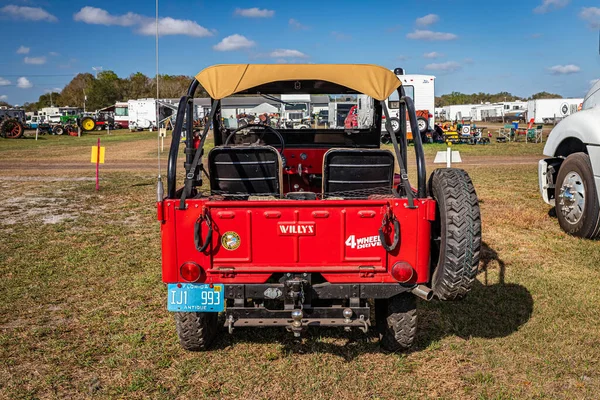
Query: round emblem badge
(230, 240)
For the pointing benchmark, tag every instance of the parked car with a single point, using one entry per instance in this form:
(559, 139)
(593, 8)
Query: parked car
(569, 179)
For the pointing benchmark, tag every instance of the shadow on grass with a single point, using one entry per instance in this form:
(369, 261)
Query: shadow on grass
(491, 310)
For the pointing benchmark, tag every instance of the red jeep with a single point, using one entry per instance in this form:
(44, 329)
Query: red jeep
(309, 227)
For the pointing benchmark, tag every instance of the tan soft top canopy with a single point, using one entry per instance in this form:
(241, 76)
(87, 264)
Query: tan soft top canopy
(224, 80)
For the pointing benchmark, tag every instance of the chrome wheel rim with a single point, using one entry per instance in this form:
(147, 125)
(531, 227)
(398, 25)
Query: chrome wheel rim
(422, 125)
(572, 197)
(395, 125)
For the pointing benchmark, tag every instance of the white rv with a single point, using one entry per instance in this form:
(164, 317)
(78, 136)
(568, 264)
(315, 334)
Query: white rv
(421, 89)
(549, 111)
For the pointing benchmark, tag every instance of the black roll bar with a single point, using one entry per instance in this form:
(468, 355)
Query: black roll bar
(420, 154)
(176, 140)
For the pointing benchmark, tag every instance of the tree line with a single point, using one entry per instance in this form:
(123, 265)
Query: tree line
(108, 88)
(454, 98)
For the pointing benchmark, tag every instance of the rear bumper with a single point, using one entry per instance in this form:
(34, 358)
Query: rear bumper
(321, 291)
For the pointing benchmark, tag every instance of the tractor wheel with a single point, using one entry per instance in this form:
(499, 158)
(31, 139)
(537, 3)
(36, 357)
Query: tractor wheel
(455, 233)
(423, 124)
(88, 124)
(577, 207)
(58, 130)
(11, 128)
(398, 320)
(196, 331)
(386, 138)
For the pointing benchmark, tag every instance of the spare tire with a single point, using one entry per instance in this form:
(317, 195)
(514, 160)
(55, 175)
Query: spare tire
(88, 124)
(11, 128)
(423, 124)
(455, 233)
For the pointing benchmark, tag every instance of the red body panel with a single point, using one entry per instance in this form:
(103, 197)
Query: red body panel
(337, 238)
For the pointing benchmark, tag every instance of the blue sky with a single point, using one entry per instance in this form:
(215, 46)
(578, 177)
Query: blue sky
(521, 47)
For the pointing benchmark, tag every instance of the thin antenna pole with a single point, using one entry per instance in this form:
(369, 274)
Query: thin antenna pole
(157, 106)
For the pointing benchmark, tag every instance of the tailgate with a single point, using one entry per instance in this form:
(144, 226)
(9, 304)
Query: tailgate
(336, 236)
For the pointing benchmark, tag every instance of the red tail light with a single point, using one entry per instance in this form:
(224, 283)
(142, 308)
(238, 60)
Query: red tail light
(192, 272)
(402, 272)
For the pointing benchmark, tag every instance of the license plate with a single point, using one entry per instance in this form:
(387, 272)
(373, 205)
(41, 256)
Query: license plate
(192, 297)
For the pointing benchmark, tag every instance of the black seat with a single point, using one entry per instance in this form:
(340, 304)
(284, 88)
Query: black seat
(357, 173)
(243, 171)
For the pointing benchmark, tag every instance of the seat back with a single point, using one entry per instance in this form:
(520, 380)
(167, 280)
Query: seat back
(357, 173)
(242, 171)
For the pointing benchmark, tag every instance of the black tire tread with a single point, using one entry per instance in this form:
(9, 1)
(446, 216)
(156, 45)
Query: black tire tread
(196, 331)
(400, 323)
(460, 220)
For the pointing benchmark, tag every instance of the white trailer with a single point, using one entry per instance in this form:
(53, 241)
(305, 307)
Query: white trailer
(142, 114)
(421, 89)
(459, 112)
(549, 111)
(484, 112)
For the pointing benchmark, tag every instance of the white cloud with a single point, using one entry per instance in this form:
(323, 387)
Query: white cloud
(54, 54)
(234, 42)
(564, 69)
(145, 25)
(341, 36)
(430, 35)
(283, 53)
(433, 54)
(4, 82)
(297, 25)
(28, 13)
(448, 66)
(35, 60)
(427, 20)
(254, 12)
(4, 97)
(469, 61)
(171, 26)
(98, 16)
(591, 15)
(23, 83)
(23, 50)
(550, 5)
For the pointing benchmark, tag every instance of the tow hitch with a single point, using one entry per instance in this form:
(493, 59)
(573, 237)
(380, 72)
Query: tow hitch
(296, 292)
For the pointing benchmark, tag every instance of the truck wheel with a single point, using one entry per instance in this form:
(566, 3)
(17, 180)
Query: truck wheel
(455, 233)
(577, 207)
(423, 124)
(395, 124)
(196, 331)
(58, 130)
(399, 324)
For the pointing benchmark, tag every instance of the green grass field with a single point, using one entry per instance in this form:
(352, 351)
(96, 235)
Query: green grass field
(83, 311)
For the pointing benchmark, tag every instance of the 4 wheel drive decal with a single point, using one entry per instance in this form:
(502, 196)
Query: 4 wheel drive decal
(363, 242)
